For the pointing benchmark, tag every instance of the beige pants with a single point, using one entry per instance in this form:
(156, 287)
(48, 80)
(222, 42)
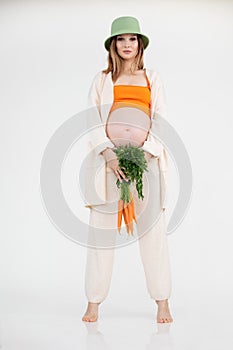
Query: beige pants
(103, 238)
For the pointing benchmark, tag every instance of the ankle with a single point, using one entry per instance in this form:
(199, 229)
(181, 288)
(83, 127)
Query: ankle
(162, 302)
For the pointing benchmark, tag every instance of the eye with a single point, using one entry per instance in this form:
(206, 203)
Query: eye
(133, 39)
(119, 39)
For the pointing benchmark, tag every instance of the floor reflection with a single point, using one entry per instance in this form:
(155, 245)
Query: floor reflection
(161, 338)
(95, 339)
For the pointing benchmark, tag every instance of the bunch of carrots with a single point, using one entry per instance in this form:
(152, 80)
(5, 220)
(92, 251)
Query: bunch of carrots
(127, 211)
(132, 160)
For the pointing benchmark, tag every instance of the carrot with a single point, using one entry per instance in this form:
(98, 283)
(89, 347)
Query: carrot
(120, 212)
(130, 217)
(126, 217)
(131, 206)
(125, 220)
(133, 209)
(127, 211)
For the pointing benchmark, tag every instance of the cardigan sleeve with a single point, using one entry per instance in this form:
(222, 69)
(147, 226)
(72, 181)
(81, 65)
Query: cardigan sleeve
(159, 106)
(152, 144)
(97, 135)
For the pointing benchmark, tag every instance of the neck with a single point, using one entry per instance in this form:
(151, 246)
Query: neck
(126, 66)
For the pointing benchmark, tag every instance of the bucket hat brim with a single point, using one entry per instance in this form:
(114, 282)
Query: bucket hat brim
(125, 25)
(145, 40)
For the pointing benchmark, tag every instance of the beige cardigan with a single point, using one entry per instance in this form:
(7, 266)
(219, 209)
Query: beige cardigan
(100, 99)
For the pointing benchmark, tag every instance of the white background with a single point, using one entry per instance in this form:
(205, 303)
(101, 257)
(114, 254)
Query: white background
(49, 53)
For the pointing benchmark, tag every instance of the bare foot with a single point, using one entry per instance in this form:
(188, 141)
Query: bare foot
(163, 314)
(91, 314)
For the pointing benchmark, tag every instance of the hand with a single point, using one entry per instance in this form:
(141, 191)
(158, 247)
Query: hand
(113, 163)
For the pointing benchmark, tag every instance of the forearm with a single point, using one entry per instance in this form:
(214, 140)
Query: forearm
(108, 154)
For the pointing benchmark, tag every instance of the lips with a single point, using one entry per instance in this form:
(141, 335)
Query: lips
(127, 51)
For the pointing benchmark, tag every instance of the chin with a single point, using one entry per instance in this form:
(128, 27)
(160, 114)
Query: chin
(127, 56)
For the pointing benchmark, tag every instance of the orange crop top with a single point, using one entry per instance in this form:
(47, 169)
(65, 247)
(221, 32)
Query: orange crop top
(132, 96)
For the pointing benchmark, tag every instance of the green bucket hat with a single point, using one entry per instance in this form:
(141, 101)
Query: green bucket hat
(124, 25)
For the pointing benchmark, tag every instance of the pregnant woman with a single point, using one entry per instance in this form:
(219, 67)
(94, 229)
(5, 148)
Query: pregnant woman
(137, 96)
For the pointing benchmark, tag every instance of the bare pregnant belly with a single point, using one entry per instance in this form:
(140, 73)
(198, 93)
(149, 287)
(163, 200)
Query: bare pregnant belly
(128, 125)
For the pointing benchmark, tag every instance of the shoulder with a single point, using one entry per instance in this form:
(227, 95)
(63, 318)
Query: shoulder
(99, 75)
(98, 78)
(155, 77)
(153, 73)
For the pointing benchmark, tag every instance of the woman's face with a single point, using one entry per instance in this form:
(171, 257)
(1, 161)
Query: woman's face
(127, 46)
